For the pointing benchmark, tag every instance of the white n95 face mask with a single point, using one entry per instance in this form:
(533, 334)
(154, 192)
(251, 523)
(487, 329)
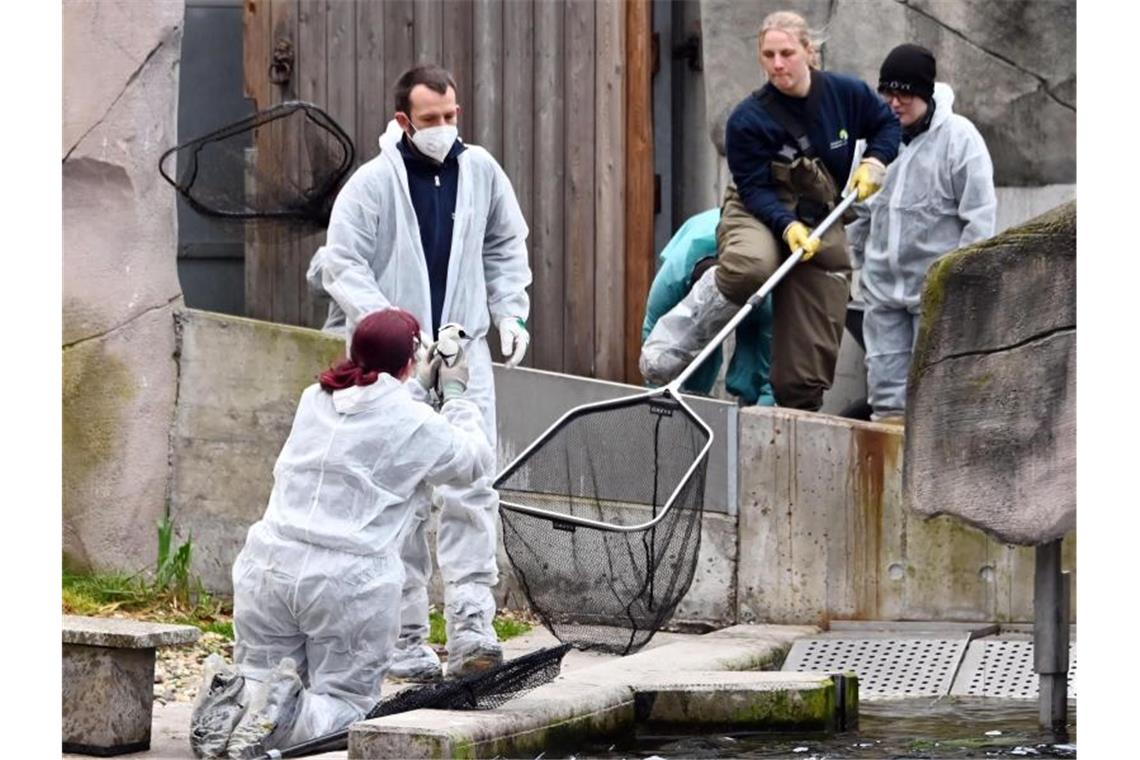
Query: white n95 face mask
(435, 142)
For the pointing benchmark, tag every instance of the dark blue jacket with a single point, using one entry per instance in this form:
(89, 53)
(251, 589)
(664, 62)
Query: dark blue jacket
(846, 109)
(433, 188)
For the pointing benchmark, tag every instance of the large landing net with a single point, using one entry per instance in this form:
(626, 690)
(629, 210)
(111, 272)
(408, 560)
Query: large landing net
(602, 518)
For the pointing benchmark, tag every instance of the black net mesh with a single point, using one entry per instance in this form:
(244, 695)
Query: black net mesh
(630, 463)
(482, 691)
(284, 163)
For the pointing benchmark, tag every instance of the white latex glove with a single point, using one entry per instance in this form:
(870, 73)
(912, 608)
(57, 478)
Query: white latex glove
(427, 366)
(515, 339)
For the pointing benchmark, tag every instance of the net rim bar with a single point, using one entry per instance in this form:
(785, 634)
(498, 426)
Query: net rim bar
(597, 524)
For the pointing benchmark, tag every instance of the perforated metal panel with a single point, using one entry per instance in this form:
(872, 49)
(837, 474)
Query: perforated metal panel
(887, 667)
(1003, 667)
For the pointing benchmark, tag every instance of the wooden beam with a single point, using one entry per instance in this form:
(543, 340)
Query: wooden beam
(546, 241)
(609, 199)
(638, 179)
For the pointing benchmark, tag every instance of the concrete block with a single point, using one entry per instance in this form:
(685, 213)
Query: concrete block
(769, 701)
(108, 682)
(120, 285)
(108, 695)
(553, 715)
(120, 95)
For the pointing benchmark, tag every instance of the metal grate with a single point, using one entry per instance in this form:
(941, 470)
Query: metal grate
(887, 667)
(1003, 667)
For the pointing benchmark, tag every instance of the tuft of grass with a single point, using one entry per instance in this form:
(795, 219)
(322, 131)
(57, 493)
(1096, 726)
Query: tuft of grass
(507, 625)
(171, 594)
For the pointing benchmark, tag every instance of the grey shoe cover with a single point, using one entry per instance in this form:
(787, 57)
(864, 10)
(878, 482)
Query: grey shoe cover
(684, 330)
(416, 662)
(269, 719)
(217, 709)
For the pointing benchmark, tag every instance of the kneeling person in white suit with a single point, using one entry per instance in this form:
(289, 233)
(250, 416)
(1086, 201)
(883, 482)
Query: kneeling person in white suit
(317, 586)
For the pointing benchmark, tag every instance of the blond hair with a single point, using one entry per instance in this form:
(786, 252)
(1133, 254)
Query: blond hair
(795, 26)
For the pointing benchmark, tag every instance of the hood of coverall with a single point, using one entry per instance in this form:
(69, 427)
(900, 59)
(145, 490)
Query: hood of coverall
(358, 398)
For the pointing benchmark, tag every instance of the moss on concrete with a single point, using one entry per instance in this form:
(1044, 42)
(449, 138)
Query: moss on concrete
(97, 389)
(567, 735)
(1060, 223)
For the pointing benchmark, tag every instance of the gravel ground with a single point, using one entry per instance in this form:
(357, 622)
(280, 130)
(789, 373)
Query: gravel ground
(178, 670)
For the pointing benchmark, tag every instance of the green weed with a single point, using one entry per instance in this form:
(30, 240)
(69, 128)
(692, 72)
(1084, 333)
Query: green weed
(507, 625)
(170, 594)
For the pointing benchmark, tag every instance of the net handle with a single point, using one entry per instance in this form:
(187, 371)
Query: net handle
(758, 296)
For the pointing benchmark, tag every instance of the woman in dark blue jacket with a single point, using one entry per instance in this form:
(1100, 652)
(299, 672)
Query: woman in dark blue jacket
(789, 147)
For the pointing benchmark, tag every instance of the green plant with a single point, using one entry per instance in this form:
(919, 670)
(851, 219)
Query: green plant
(172, 595)
(507, 626)
(172, 571)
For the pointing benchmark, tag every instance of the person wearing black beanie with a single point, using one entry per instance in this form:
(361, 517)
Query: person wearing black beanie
(938, 195)
(906, 82)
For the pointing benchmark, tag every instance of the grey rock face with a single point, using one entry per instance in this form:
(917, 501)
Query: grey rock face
(991, 399)
(1012, 66)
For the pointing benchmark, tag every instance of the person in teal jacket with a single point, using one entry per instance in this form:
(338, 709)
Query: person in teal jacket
(684, 259)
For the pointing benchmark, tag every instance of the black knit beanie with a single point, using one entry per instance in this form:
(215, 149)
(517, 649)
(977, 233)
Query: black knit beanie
(909, 68)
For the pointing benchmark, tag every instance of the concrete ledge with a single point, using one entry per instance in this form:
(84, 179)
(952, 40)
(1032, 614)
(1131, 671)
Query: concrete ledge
(125, 634)
(685, 678)
(767, 699)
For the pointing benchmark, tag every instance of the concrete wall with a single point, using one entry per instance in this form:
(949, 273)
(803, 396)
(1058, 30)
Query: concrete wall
(824, 535)
(238, 388)
(120, 289)
(818, 531)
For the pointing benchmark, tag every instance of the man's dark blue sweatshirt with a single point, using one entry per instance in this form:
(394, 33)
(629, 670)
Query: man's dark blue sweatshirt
(433, 188)
(844, 110)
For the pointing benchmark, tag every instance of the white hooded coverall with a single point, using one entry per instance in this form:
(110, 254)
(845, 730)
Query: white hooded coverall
(938, 195)
(373, 258)
(320, 576)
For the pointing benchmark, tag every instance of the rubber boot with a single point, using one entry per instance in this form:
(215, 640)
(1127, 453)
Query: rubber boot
(684, 330)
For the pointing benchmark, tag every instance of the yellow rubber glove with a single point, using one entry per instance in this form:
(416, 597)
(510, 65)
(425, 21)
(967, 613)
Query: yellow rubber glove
(797, 236)
(868, 178)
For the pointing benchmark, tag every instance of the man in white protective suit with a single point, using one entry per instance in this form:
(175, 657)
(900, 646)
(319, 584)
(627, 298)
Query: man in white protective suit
(938, 195)
(432, 225)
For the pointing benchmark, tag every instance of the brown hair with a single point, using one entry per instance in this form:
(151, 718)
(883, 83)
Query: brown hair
(795, 25)
(433, 77)
(384, 341)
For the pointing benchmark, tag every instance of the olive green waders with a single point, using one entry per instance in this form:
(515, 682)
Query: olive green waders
(810, 302)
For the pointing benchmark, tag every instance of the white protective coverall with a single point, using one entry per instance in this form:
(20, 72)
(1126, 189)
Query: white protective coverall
(938, 195)
(320, 576)
(373, 258)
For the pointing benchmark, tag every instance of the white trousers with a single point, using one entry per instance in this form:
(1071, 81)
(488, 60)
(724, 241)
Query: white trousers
(333, 612)
(467, 536)
(889, 333)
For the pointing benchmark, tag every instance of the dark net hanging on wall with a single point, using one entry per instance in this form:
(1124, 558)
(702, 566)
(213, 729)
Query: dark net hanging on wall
(285, 163)
(602, 518)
